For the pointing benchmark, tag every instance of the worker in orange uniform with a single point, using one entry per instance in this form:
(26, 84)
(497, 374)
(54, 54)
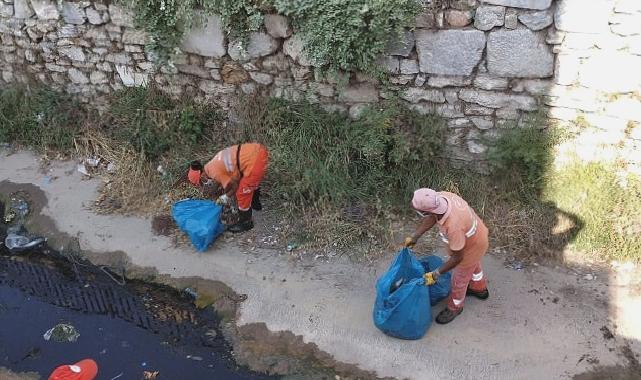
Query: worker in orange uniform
(238, 170)
(86, 369)
(466, 238)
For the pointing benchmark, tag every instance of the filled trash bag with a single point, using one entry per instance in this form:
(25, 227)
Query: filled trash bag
(402, 308)
(200, 220)
(441, 289)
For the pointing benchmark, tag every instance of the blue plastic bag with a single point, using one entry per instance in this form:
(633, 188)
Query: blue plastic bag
(441, 289)
(402, 308)
(200, 220)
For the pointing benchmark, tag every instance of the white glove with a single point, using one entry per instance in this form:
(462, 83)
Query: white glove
(223, 200)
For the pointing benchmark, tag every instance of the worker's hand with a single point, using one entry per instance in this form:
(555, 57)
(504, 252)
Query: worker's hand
(409, 242)
(431, 277)
(223, 200)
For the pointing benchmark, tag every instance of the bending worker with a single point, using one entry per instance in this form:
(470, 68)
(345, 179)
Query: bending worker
(238, 170)
(466, 238)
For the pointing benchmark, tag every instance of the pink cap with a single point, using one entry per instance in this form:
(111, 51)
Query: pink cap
(428, 200)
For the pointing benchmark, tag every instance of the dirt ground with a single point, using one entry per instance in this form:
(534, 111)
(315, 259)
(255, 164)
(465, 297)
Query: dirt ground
(541, 322)
(5, 374)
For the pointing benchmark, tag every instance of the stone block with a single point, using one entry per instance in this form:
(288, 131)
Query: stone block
(489, 82)
(409, 66)
(96, 17)
(207, 40)
(118, 58)
(519, 53)
(459, 123)
(426, 20)
(259, 45)
(579, 98)
(357, 110)
(507, 113)
(476, 110)
(537, 20)
(6, 10)
(98, 77)
(74, 53)
(451, 96)
(30, 55)
(195, 70)
(535, 87)
(449, 52)
(415, 95)
(458, 18)
(511, 19)
(261, 78)
(482, 122)
(275, 63)
(611, 72)
(401, 45)
(121, 16)
(476, 147)
(455, 81)
(55, 68)
(322, 89)
(293, 47)
(73, 13)
(45, 9)
(567, 69)
(578, 16)
(131, 78)
(420, 80)
(489, 16)
(389, 63)
(498, 100)
(527, 4)
(134, 37)
(277, 26)
(448, 111)
(77, 76)
(361, 93)
(22, 10)
(402, 79)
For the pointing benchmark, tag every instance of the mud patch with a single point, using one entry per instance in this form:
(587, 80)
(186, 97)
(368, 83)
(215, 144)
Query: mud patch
(631, 371)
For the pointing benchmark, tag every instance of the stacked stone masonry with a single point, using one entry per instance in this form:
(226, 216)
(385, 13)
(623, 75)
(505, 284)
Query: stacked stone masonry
(482, 65)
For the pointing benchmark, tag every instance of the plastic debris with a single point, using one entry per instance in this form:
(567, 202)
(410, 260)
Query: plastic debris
(191, 292)
(118, 376)
(196, 358)
(82, 169)
(62, 332)
(291, 247)
(516, 265)
(15, 242)
(11, 215)
(19, 206)
(111, 167)
(93, 162)
(589, 277)
(148, 375)
(161, 170)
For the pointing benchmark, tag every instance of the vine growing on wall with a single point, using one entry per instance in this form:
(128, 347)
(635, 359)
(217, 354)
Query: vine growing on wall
(337, 34)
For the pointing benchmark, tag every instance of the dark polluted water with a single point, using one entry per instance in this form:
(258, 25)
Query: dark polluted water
(127, 329)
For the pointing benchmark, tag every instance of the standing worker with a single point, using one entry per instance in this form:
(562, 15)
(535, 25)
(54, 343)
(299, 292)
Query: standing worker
(238, 170)
(466, 238)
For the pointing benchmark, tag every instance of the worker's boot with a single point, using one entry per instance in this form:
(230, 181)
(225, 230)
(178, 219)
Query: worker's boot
(256, 205)
(245, 222)
(482, 295)
(447, 316)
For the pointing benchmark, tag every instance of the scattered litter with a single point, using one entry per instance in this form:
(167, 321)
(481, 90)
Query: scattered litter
(607, 333)
(118, 376)
(516, 265)
(211, 333)
(62, 332)
(196, 358)
(589, 277)
(82, 169)
(16, 243)
(191, 292)
(291, 247)
(19, 206)
(161, 170)
(143, 364)
(46, 179)
(93, 162)
(11, 215)
(111, 167)
(147, 375)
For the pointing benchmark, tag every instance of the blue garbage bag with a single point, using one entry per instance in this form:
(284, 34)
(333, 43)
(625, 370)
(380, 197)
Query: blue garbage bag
(200, 220)
(402, 308)
(441, 289)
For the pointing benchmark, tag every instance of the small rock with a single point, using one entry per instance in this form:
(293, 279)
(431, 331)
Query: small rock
(489, 16)
(457, 18)
(537, 20)
(277, 26)
(589, 277)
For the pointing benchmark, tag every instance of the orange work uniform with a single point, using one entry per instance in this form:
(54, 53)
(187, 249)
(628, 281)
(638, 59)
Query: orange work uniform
(248, 165)
(462, 230)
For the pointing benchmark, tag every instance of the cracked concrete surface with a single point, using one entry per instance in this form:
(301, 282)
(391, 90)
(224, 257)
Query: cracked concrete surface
(542, 323)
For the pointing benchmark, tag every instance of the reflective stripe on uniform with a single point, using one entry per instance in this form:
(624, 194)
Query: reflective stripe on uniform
(477, 276)
(227, 160)
(471, 232)
(457, 302)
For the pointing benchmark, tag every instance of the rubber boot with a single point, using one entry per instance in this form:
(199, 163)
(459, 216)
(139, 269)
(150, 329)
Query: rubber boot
(245, 222)
(446, 316)
(482, 295)
(256, 205)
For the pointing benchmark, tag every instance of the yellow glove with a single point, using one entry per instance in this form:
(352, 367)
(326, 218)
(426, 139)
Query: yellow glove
(409, 242)
(431, 277)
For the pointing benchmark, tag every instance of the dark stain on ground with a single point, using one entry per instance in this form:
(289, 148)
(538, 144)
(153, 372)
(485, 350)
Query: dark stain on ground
(631, 371)
(163, 225)
(607, 334)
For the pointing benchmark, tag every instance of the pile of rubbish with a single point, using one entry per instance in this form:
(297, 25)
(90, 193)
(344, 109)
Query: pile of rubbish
(18, 239)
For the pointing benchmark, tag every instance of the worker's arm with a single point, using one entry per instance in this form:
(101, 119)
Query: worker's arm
(232, 187)
(426, 224)
(455, 259)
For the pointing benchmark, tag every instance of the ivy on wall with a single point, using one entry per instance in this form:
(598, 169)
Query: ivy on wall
(337, 34)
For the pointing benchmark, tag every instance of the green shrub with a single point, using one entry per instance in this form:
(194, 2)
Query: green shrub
(41, 118)
(322, 157)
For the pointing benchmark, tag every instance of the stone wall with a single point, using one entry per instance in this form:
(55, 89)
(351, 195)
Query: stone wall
(482, 65)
